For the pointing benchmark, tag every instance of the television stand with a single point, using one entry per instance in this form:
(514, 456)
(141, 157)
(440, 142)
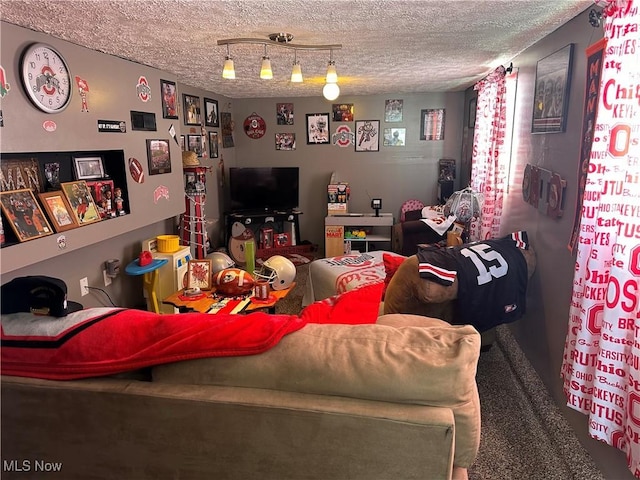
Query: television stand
(268, 229)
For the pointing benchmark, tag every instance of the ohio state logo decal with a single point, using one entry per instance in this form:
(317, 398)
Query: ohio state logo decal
(143, 89)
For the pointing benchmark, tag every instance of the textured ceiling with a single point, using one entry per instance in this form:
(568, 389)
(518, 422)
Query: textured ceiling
(388, 46)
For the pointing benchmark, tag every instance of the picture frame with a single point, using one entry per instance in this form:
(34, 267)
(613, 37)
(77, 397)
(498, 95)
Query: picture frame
(103, 193)
(266, 238)
(24, 214)
(342, 112)
(394, 137)
(27, 169)
(81, 202)
(87, 168)
(286, 141)
(432, 124)
(199, 274)
(551, 94)
(473, 106)
(169, 93)
(52, 175)
(226, 124)
(284, 113)
(194, 144)
(191, 109)
(211, 117)
(183, 143)
(213, 144)
(367, 136)
(58, 210)
(393, 110)
(158, 156)
(317, 128)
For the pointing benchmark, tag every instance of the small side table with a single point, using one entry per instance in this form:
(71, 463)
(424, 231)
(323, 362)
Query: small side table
(150, 273)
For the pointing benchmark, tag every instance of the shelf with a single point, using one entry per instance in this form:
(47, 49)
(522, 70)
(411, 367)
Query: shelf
(371, 238)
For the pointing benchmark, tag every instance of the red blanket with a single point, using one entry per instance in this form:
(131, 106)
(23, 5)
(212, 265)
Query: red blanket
(105, 341)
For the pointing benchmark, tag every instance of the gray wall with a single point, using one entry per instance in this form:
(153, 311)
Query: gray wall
(394, 174)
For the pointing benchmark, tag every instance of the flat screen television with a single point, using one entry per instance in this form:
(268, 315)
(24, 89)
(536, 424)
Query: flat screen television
(263, 189)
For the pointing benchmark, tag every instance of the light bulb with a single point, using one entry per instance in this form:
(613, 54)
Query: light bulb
(331, 91)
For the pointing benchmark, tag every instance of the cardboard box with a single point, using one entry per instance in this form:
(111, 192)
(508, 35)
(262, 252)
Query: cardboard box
(333, 240)
(338, 198)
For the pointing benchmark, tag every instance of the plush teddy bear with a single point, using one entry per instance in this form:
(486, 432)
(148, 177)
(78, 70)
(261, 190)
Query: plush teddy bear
(407, 292)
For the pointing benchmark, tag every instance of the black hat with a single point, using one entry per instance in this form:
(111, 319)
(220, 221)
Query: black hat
(37, 294)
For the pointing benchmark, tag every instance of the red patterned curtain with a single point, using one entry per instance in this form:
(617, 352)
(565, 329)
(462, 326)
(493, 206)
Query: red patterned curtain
(490, 160)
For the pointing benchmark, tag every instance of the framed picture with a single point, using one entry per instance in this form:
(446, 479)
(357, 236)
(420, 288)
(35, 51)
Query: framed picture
(367, 135)
(81, 201)
(473, 106)
(284, 113)
(59, 211)
(211, 118)
(213, 144)
(317, 128)
(194, 143)
(52, 175)
(199, 274)
(285, 141)
(183, 143)
(191, 109)
(343, 112)
(393, 110)
(551, 96)
(432, 124)
(16, 174)
(227, 129)
(266, 238)
(23, 213)
(169, 99)
(103, 193)
(394, 137)
(88, 167)
(158, 156)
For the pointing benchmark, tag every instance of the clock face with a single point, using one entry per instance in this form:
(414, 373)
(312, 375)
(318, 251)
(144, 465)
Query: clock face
(46, 78)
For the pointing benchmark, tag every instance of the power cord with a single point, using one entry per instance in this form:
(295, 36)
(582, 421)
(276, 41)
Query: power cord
(105, 293)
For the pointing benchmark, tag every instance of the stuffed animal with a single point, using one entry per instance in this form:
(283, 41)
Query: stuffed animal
(407, 292)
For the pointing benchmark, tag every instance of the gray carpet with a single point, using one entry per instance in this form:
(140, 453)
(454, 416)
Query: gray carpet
(524, 435)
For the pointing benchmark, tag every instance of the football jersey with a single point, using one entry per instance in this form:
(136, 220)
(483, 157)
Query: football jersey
(492, 278)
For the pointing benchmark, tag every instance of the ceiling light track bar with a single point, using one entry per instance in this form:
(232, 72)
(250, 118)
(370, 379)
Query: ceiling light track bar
(295, 46)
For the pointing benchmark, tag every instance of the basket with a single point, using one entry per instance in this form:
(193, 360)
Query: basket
(168, 243)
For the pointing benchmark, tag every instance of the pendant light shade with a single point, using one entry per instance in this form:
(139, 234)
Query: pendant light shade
(332, 75)
(265, 69)
(228, 71)
(331, 91)
(296, 73)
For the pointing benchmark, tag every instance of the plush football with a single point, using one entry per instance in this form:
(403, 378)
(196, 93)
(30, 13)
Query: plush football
(135, 168)
(233, 282)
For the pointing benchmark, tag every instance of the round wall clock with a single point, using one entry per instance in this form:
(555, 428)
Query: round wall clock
(45, 77)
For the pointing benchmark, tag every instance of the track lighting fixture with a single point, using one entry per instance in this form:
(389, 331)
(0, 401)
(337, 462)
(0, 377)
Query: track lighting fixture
(330, 90)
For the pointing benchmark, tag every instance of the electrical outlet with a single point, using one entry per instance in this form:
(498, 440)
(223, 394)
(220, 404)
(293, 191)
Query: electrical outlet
(84, 286)
(107, 278)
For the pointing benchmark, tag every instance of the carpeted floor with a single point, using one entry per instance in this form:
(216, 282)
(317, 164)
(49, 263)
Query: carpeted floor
(524, 435)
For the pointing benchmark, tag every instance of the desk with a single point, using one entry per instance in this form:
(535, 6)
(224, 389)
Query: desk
(204, 304)
(150, 273)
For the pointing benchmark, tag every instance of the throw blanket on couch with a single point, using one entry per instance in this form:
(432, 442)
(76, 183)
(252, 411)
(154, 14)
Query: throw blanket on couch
(105, 341)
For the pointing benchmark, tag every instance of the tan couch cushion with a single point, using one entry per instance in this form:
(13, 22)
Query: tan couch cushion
(433, 363)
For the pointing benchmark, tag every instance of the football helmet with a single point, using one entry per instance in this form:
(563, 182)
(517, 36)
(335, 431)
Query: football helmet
(279, 271)
(220, 261)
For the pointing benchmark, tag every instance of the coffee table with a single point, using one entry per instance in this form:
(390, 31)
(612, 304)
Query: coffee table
(210, 303)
